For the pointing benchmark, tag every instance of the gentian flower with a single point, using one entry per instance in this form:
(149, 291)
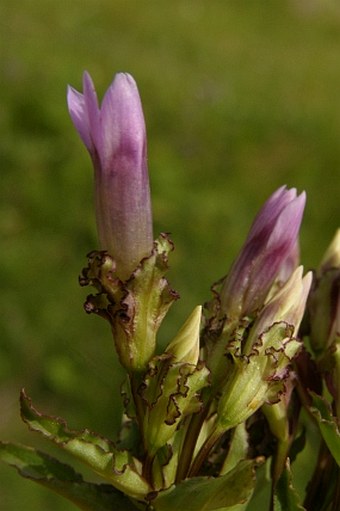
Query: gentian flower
(270, 252)
(115, 136)
(259, 367)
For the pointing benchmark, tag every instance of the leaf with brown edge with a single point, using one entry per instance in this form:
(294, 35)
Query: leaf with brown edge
(329, 428)
(145, 299)
(63, 480)
(134, 307)
(171, 392)
(116, 466)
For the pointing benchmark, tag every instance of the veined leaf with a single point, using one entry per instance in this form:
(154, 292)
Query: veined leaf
(117, 467)
(327, 424)
(62, 479)
(208, 493)
(285, 496)
(238, 448)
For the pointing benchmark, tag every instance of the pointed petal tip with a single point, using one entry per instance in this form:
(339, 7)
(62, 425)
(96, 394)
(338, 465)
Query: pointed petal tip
(298, 272)
(308, 277)
(86, 76)
(70, 93)
(88, 85)
(124, 82)
(306, 280)
(122, 75)
(307, 284)
(74, 97)
(78, 113)
(302, 197)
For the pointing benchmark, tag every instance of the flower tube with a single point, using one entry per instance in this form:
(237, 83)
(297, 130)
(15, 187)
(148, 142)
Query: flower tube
(115, 136)
(270, 250)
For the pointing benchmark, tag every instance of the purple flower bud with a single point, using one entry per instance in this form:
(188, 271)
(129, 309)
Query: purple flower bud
(287, 305)
(115, 137)
(261, 365)
(270, 252)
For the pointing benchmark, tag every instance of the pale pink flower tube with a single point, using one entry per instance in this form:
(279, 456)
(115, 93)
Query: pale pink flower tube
(115, 137)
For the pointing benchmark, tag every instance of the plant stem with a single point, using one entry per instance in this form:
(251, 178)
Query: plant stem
(323, 488)
(135, 381)
(147, 468)
(191, 436)
(204, 451)
(139, 408)
(279, 459)
(190, 440)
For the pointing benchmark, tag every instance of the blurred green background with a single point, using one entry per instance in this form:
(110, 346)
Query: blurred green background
(240, 97)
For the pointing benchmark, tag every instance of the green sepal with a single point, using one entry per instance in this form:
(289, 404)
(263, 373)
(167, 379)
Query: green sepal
(136, 307)
(285, 496)
(261, 374)
(138, 316)
(209, 494)
(329, 428)
(116, 466)
(63, 480)
(170, 392)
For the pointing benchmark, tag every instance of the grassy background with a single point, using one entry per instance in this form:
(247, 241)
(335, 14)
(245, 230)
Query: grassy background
(239, 98)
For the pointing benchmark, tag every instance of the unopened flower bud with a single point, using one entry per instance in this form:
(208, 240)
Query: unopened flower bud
(185, 346)
(269, 252)
(115, 137)
(259, 368)
(288, 305)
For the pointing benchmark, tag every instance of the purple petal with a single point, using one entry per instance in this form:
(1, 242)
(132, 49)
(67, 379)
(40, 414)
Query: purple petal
(271, 210)
(287, 305)
(84, 113)
(79, 116)
(115, 136)
(122, 120)
(288, 223)
(92, 109)
(273, 238)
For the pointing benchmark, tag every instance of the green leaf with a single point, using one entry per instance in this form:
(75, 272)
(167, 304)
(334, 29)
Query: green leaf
(321, 410)
(238, 507)
(238, 448)
(62, 479)
(117, 467)
(285, 496)
(208, 493)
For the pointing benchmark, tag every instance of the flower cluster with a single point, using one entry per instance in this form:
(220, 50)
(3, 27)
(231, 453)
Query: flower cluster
(238, 369)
